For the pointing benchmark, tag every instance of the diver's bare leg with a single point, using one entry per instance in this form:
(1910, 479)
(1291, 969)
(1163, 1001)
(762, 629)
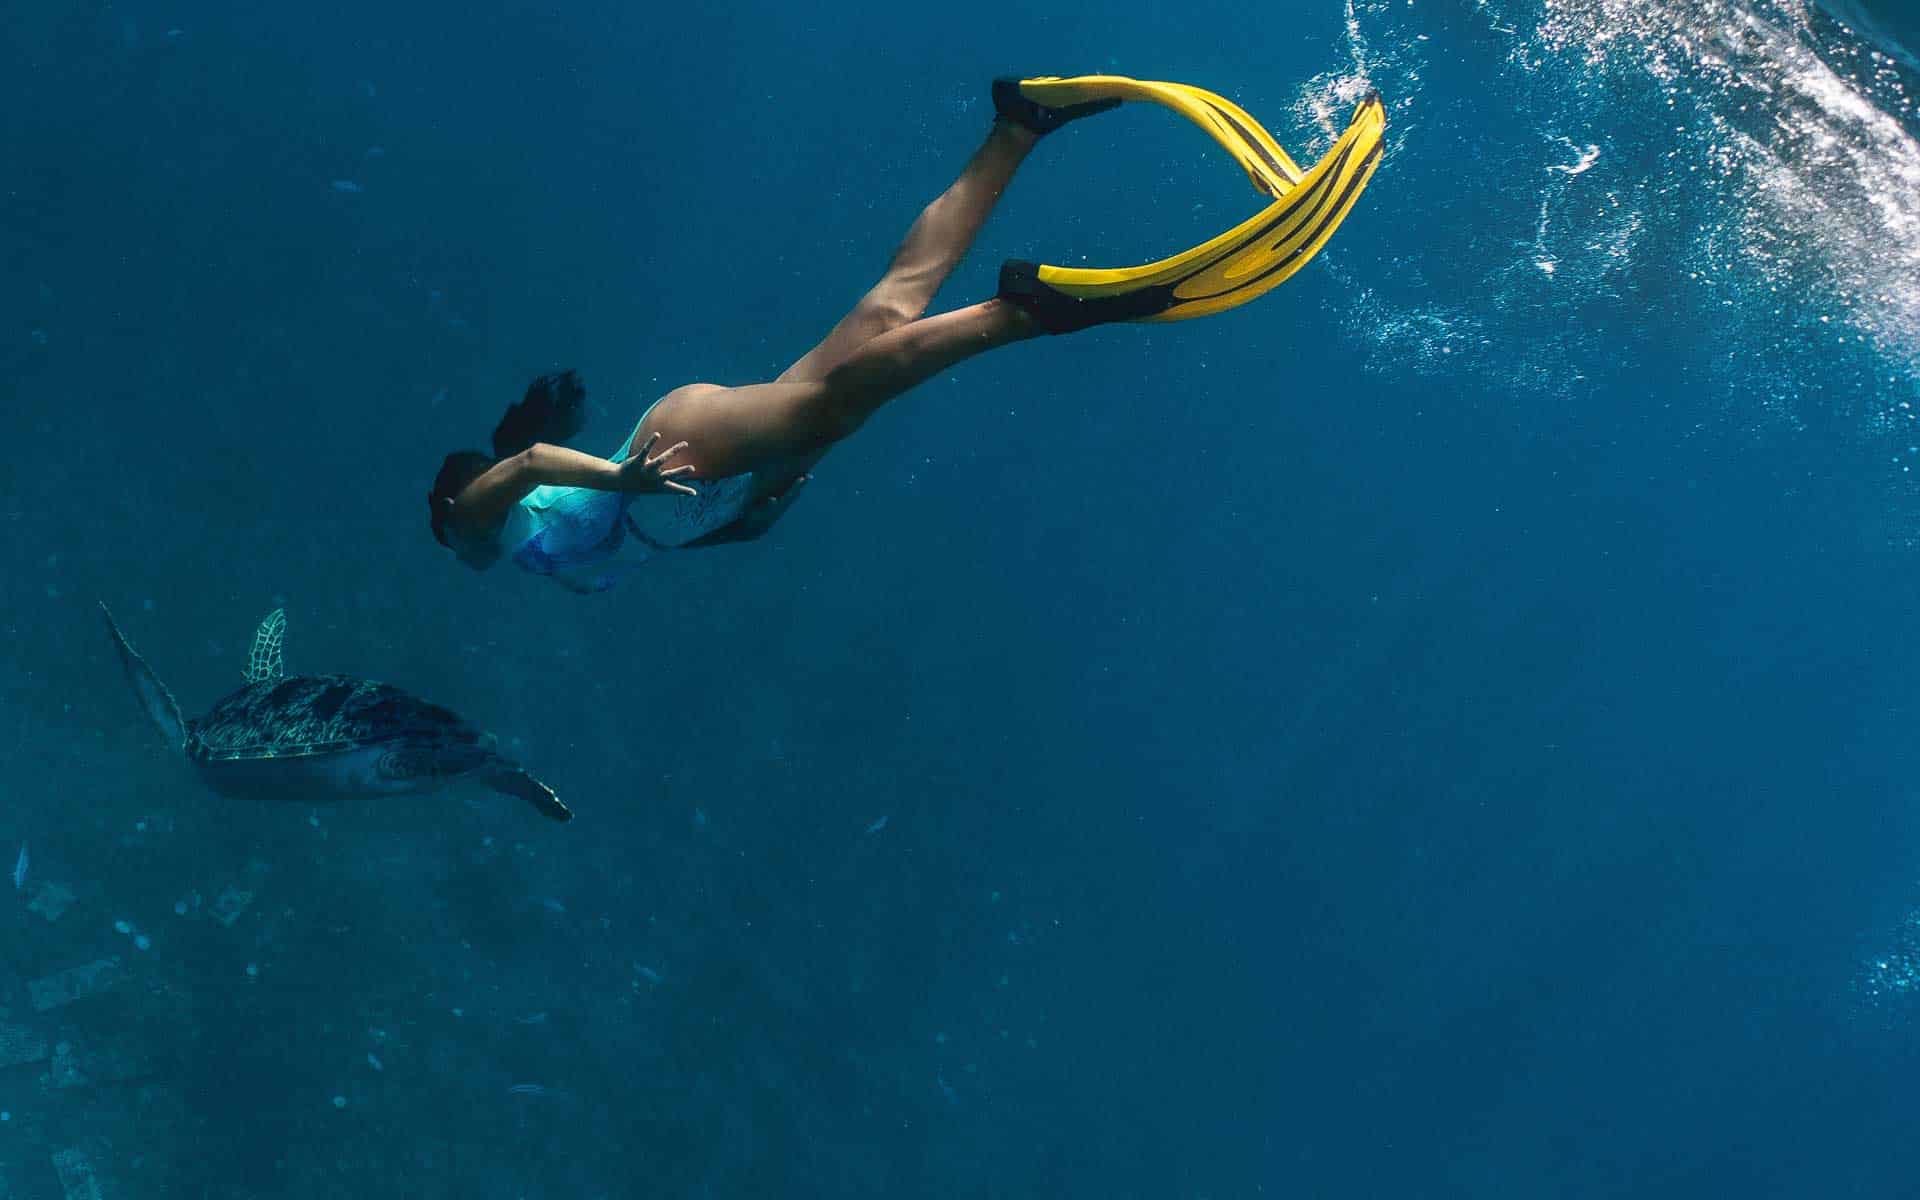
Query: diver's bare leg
(933, 247)
(765, 426)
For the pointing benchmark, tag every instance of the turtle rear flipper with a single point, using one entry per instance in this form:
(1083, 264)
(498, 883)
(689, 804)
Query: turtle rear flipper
(525, 786)
(154, 696)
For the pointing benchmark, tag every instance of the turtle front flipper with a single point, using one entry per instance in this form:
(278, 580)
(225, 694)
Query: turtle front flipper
(264, 658)
(154, 696)
(519, 783)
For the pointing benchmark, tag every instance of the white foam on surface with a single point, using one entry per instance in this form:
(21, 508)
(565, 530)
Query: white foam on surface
(1744, 165)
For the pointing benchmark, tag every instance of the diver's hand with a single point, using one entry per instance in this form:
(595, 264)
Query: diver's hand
(645, 471)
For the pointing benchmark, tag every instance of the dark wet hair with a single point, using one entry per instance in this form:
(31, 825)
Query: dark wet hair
(457, 470)
(553, 410)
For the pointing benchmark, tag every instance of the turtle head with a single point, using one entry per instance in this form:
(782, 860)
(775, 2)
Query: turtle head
(403, 770)
(424, 767)
(154, 696)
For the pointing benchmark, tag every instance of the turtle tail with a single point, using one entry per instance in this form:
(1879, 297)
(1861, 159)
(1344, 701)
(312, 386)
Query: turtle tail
(513, 782)
(154, 696)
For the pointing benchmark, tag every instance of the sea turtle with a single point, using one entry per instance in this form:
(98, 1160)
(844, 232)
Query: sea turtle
(325, 737)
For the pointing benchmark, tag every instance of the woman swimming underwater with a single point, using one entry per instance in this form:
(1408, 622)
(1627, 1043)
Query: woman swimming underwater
(581, 520)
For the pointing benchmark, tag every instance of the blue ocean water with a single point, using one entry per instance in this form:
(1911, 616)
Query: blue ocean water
(1440, 730)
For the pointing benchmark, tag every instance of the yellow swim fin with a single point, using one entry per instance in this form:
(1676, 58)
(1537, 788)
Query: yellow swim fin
(1223, 272)
(1272, 171)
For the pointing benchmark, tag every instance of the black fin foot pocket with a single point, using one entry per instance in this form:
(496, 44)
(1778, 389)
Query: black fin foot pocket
(1057, 312)
(1010, 105)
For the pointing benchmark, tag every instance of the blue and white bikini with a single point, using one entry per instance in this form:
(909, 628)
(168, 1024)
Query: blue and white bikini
(586, 540)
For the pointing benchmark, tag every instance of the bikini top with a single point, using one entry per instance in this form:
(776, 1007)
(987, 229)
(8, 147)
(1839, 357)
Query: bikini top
(585, 540)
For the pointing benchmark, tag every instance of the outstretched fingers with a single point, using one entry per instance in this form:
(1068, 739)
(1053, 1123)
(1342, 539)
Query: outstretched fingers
(667, 475)
(664, 455)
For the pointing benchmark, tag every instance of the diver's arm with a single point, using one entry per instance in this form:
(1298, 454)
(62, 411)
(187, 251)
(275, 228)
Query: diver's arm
(564, 467)
(643, 471)
(485, 502)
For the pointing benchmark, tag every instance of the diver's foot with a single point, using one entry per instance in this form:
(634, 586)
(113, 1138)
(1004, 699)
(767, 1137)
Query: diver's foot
(1056, 312)
(1012, 107)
